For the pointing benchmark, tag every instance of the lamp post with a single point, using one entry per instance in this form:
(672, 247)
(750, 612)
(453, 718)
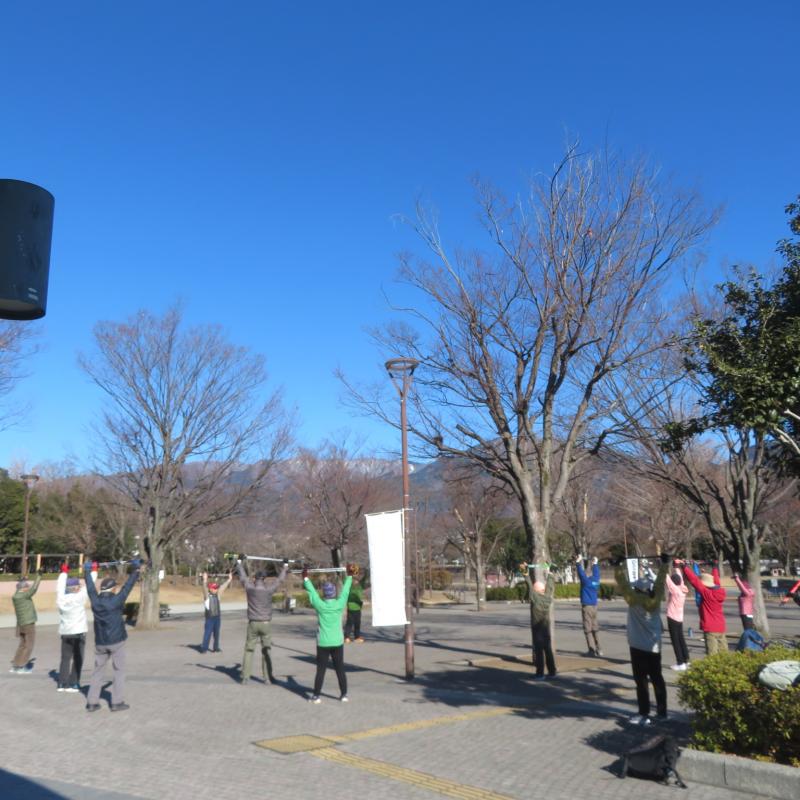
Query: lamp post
(401, 371)
(30, 480)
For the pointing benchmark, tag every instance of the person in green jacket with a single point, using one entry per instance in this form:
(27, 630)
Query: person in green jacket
(26, 625)
(355, 600)
(330, 639)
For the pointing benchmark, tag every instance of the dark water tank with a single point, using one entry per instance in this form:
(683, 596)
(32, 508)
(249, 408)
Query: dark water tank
(26, 229)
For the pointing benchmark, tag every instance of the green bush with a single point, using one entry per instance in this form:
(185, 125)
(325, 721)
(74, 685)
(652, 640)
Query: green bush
(518, 592)
(735, 714)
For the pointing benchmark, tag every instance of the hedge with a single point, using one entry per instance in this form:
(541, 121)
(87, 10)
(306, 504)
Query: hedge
(735, 714)
(562, 591)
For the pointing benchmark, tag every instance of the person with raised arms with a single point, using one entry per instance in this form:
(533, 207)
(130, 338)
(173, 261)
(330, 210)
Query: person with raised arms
(73, 625)
(330, 638)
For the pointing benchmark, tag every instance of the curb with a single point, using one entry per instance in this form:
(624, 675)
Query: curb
(740, 774)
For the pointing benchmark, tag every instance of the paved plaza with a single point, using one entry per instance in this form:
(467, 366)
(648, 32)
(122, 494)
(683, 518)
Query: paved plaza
(472, 725)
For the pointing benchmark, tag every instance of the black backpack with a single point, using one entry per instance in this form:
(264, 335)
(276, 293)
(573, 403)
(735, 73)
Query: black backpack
(655, 759)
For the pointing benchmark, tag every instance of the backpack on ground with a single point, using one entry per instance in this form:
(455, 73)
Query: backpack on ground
(780, 674)
(655, 759)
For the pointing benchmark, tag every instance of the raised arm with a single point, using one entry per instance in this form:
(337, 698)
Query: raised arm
(240, 572)
(204, 584)
(342, 600)
(313, 596)
(126, 589)
(226, 584)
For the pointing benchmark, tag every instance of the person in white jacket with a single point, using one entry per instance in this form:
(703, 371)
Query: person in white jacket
(71, 600)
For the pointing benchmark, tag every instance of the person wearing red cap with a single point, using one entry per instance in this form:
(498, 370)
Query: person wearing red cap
(712, 616)
(212, 592)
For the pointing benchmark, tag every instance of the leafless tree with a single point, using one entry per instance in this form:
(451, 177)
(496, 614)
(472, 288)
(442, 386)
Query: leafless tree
(476, 526)
(184, 414)
(726, 476)
(336, 487)
(515, 345)
(17, 344)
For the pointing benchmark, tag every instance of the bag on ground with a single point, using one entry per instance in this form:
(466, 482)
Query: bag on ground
(654, 759)
(780, 674)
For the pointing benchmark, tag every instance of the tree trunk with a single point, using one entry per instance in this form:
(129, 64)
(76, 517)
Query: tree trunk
(754, 579)
(149, 605)
(480, 583)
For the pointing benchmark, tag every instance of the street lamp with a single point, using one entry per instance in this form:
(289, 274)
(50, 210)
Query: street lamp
(401, 371)
(30, 480)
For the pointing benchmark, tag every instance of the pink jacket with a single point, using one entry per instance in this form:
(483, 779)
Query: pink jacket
(676, 597)
(745, 598)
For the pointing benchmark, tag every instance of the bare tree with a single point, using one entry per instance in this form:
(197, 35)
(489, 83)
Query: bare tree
(337, 487)
(16, 346)
(515, 346)
(477, 527)
(184, 414)
(725, 475)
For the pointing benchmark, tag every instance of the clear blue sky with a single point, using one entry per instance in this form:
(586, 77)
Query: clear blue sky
(247, 158)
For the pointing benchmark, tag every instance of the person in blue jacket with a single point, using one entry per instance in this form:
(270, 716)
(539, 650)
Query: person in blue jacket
(590, 586)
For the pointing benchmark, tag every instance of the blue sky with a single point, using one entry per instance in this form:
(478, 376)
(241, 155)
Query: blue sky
(248, 158)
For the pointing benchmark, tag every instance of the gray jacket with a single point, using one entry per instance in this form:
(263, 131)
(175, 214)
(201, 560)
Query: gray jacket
(644, 611)
(259, 594)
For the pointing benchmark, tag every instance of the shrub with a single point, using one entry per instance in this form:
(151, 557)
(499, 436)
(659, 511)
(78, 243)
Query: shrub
(441, 579)
(301, 599)
(735, 714)
(518, 592)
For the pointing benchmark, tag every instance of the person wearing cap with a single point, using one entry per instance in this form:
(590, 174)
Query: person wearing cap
(71, 599)
(541, 597)
(109, 635)
(25, 612)
(676, 600)
(259, 618)
(712, 616)
(355, 601)
(212, 592)
(644, 631)
(330, 639)
(590, 586)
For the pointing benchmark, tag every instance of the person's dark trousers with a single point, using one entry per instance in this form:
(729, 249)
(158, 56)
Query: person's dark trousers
(336, 655)
(352, 628)
(211, 627)
(747, 622)
(678, 641)
(648, 666)
(71, 659)
(543, 650)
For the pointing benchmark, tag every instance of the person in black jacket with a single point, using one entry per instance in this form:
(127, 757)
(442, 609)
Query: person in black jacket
(109, 636)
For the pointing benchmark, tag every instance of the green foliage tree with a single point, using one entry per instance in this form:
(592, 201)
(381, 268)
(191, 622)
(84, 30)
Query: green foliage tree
(12, 513)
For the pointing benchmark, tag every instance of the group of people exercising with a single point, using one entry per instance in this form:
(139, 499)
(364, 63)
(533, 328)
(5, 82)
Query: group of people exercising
(643, 596)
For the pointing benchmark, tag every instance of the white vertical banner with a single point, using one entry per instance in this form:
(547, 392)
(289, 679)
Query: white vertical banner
(632, 565)
(387, 568)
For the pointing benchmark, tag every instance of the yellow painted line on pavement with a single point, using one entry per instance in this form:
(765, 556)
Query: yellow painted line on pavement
(421, 724)
(419, 779)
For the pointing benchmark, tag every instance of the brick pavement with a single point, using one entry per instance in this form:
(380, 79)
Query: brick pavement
(191, 730)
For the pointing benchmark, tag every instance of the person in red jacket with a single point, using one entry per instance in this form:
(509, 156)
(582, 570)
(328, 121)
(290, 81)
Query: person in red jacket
(712, 618)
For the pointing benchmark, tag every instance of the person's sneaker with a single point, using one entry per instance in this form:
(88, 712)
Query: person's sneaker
(244, 681)
(344, 699)
(315, 699)
(638, 719)
(590, 654)
(599, 653)
(540, 677)
(15, 669)
(74, 688)
(25, 670)
(61, 688)
(120, 706)
(684, 666)
(92, 706)
(347, 640)
(217, 650)
(360, 640)
(677, 667)
(662, 717)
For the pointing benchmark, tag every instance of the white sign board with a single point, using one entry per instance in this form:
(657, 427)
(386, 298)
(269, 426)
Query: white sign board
(387, 568)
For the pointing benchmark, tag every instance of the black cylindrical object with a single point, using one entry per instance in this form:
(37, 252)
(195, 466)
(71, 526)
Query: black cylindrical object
(26, 230)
